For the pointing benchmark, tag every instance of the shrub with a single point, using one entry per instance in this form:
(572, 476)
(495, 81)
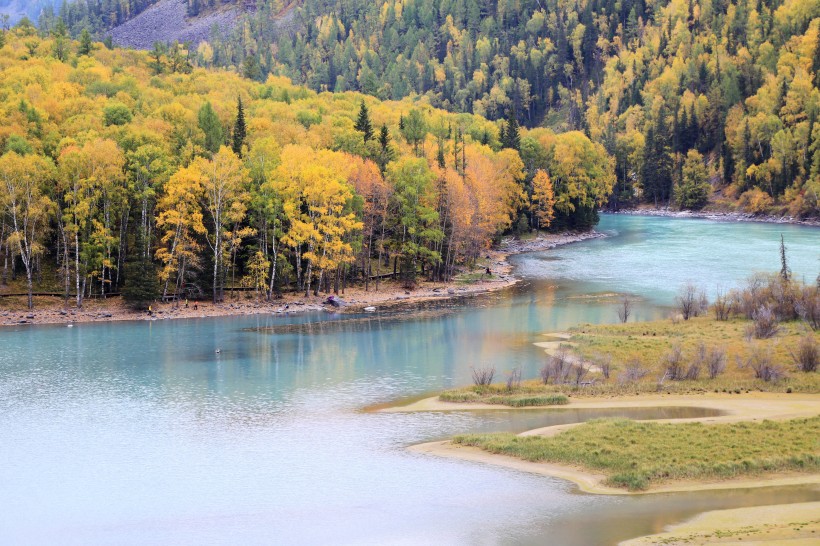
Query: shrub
(765, 324)
(690, 301)
(755, 201)
(514, 379)
(557, 367)
(605, 364)
(580, 371)
(483, 376)
(808, 306)
(807, 356)
(715, 361)
(633, 373)
(674, 364)
(764, 368)
(721, 307)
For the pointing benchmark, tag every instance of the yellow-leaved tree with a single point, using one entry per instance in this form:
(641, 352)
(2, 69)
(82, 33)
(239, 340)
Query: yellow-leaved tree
(23, 199)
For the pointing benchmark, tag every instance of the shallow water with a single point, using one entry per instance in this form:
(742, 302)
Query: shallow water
(140, 432)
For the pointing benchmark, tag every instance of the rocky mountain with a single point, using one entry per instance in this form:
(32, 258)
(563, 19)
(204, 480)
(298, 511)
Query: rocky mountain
(167, 21)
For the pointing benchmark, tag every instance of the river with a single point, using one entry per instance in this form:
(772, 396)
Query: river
(142, 433)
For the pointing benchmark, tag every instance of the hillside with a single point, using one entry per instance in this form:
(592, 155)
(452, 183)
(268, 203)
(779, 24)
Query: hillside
(168, 21)
(698, 101)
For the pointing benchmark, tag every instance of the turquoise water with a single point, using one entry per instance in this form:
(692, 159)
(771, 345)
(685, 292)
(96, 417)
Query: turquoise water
(136, 433)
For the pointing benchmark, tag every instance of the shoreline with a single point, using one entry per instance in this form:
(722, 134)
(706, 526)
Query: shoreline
(49, 310)
(796, 524)
(735, 408)
(717, 215)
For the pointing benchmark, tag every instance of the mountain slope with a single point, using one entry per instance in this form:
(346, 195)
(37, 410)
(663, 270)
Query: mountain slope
(167, 21)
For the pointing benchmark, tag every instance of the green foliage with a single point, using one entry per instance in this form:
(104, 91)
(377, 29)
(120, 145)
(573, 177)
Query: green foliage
(85, 47)
(211, 126)
(363, 124)
(19, 145)
(117, 114)
(239, 129)
(693, 191)
(141, 286)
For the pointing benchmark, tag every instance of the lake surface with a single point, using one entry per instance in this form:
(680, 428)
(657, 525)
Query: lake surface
(140, 433)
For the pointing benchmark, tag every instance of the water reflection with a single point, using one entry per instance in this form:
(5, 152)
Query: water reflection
(142, 433)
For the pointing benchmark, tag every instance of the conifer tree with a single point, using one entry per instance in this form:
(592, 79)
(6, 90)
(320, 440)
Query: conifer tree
(511, 138)
(86, 46)
(239, 129)
(363, 124)
(211, 126)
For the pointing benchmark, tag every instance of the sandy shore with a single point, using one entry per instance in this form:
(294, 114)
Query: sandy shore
(743, 407)
(50, 310)
(785, 524)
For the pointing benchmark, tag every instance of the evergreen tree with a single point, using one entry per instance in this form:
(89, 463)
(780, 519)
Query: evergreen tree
(385, 150)
(239, 129)
(141, 284)
(60, 34)
(86, 46)
(363, 124)
(511, 137)
(212, 127)
(156, 54)
(785, 271)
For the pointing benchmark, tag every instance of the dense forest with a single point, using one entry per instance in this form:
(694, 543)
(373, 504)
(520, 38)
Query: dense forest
(697, 100)
(688, 96)
(136, 171)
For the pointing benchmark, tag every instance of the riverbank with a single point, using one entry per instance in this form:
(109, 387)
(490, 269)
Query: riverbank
(750, 407)
(390, 295)
(793, 524)
(719, 215)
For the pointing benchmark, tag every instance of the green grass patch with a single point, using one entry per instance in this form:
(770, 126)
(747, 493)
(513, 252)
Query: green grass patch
(519, 397)
(635, 455)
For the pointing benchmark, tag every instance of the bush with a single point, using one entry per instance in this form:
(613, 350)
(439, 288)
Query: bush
(755, 201)
(765, 324)
(691, 301)
(807, 356)
(764, 368)
(633, 373)
(557, 367)
(721, 307)
(674, 364)
(714, 361)
(808, 306)
(514, 379)
(483, 376)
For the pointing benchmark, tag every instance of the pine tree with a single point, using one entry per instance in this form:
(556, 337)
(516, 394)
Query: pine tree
(86, 46)
(363, 124)
(511, 138)
(785, 272)
(385, 151)
(239, 129)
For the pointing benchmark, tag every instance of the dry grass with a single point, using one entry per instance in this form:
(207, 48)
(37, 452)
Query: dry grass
(635, 455)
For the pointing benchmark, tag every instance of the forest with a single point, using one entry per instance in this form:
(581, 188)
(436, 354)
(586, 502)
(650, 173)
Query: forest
(699, 101)
(137, 172)
(696, 100)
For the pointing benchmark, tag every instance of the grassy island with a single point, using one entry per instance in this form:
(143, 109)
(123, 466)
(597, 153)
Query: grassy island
(634, 455)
